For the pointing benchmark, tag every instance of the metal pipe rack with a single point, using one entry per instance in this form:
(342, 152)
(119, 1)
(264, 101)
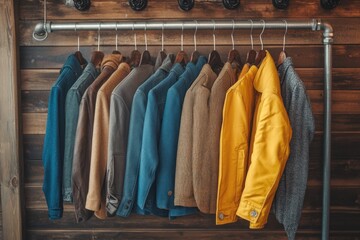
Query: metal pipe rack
(42, 29)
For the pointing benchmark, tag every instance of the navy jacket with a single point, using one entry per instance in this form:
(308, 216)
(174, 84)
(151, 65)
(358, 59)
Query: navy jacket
(53, 148)
(169, 133)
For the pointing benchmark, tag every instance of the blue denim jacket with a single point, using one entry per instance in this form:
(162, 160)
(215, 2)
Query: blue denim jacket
(135, 137)
(72, 103)
(165, 179)
(53, 148)
(149, 157)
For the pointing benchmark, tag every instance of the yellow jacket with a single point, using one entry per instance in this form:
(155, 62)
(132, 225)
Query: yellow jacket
(255, 170)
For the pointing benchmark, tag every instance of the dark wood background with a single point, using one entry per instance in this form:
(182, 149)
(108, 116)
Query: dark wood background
(40, 63)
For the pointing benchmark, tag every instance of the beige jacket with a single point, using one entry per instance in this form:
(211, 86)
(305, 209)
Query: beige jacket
(95, 200)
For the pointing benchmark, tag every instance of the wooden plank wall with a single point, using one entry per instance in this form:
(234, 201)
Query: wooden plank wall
(40, 63)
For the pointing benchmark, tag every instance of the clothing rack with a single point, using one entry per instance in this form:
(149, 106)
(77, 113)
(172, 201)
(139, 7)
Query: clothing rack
(42, 29)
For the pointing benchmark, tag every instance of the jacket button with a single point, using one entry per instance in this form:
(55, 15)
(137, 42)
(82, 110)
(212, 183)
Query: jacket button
(169, 193)
(221, 216)
(253, 213)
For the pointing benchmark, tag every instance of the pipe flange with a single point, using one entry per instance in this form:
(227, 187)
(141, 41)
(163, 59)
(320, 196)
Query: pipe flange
(138, 5)
(40, 36)
(82, 5)
(231, 4)
(281, 4)
(186, 5)
(329, 4)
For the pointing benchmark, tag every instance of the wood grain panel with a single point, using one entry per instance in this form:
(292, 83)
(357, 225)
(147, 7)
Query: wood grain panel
(310, 220)
(345, 56)
(184, 235)
(339, 122)
(115, 9)
(345, 147)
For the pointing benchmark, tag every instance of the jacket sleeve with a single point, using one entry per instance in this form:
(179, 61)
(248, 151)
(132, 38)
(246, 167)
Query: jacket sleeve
(233, 158)
(270, 151)
(291, 192)
(184, 193)
(52, 156)
(118, 136)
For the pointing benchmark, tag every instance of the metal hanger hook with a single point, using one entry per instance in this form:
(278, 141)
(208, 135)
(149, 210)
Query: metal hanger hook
(251, 34)
(232, 35)
(196, 28)
(116, 37)
(99, 29)
(162, 37)
(145, 35)
(182, 37)
(261, 41)
(214, 37)
(286, 29)
(78, 38)
(135, 45)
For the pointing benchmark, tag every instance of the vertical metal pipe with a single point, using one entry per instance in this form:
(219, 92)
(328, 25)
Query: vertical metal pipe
(327, 41)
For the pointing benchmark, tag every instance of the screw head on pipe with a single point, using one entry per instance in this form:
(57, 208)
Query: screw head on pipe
(82, 5)
(231, 4)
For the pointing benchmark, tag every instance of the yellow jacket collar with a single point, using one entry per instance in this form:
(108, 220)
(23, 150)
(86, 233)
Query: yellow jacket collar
(267, 78)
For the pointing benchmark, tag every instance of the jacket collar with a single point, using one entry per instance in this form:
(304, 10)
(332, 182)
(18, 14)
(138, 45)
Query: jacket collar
(111, 60)
(168, 62)
(267, 78)
(283, 68)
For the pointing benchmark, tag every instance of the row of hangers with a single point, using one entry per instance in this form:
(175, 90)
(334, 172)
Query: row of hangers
(137, 58)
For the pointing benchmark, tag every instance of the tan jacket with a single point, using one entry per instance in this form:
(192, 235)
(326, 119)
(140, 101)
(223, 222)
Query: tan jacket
(196, 98)
(95, 200)
(83, 138)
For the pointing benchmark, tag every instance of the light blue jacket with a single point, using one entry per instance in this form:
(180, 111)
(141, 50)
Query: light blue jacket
(169, 133)
(137, 116)
(149, 157)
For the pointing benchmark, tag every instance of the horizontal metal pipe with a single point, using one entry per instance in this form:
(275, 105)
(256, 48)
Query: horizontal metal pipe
(42, 28)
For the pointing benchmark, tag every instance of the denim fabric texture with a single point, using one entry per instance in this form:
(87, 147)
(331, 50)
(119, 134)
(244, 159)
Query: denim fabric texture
(135, 137)
(149, 156)
(72, 104)
(168, 142)
(53, 148)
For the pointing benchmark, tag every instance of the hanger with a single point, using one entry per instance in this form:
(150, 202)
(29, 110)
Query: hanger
(78, 54)
(181, 56)
(234, 56)
(97, 56)
(145, 56)
(162, 51)
(214, 57)
(283, 54)
(261, 55)
(135, 55)
(251, 55)
(195, 54)
(116, 51)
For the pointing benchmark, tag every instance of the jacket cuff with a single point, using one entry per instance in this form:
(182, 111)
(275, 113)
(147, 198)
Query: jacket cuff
(227, 216)
(83, 215)
(250, 211)
(55, 213)
(92, 204)
(256, 226)
(125, 207)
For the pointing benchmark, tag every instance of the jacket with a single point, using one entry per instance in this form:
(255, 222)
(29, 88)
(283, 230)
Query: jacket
(149, 157)
(83, 138)
(95, 200)
(269, 146)
(291, 190)
(136, 120)
(234, 145)
(168, 141)
(196, 98)
(120, 106)
(72, 104)
(54, 141)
